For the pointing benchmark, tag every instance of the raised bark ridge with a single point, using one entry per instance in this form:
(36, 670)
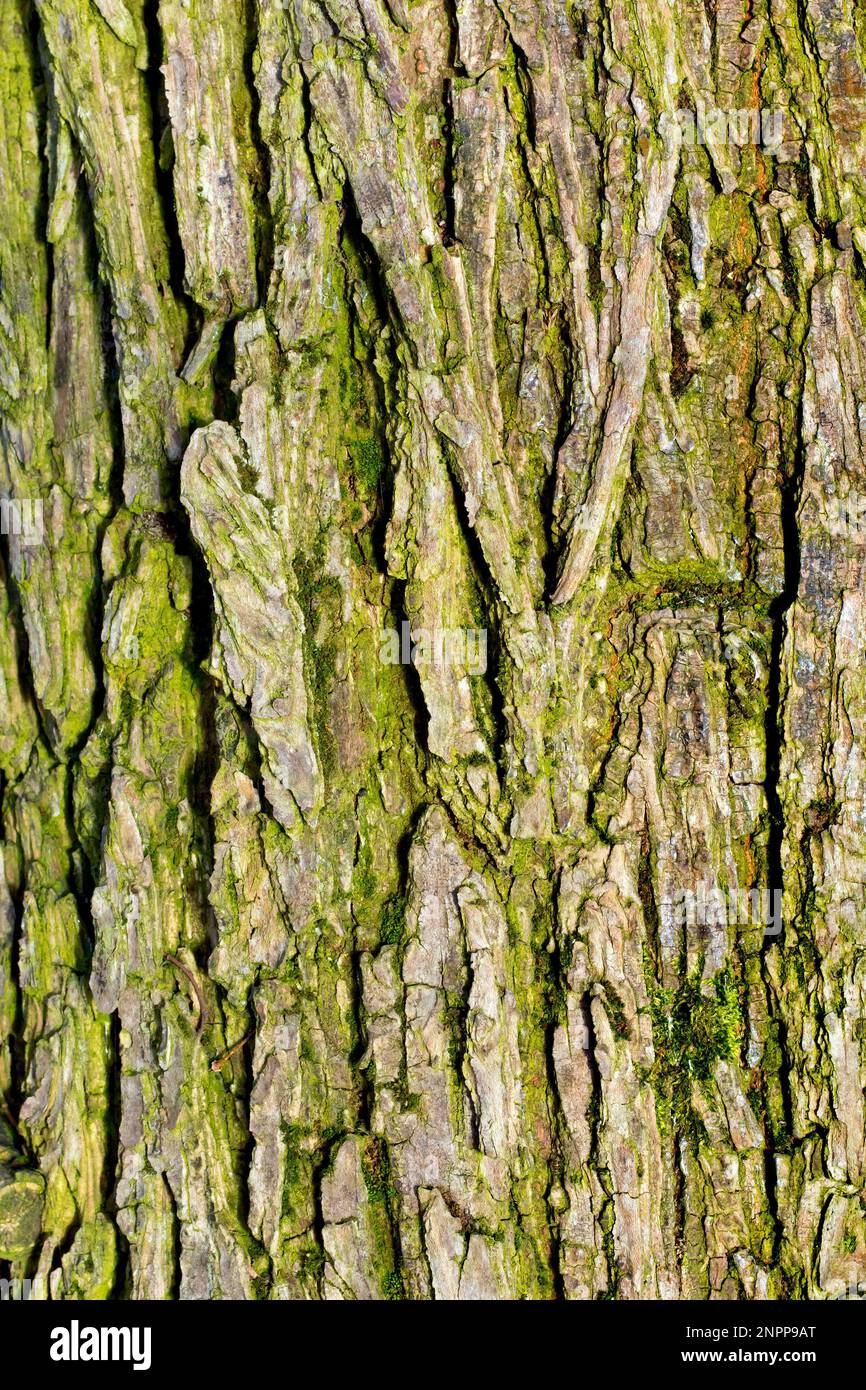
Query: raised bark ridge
(323, 977)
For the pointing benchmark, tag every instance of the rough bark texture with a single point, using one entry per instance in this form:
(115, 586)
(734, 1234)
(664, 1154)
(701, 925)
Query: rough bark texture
(323, 315)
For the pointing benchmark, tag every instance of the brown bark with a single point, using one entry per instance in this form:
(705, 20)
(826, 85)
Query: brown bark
(536, 330)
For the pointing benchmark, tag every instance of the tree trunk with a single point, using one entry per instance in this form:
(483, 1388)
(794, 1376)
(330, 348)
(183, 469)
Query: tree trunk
(434, 463)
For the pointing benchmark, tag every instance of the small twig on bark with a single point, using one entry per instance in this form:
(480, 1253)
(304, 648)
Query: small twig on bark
(219, 1062)
(203, 1012)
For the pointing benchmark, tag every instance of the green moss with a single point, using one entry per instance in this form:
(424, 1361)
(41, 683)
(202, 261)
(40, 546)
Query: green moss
(692, 1030)
(606, 1220)
(297, 1171)
(90, 1270)
(393, 921)
(381, 1195)
(22, 1194)
(615, 1010)
(454, 1018)
(311, 1265)
(368, 462)
(364, 878)
(376, 1168)
(703, 585)
(319, 598)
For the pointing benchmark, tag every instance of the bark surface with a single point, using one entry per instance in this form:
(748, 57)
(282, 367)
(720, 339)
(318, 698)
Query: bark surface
(328, 977)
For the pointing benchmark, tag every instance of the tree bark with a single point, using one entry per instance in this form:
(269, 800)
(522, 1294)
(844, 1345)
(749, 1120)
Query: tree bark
(329, 975)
